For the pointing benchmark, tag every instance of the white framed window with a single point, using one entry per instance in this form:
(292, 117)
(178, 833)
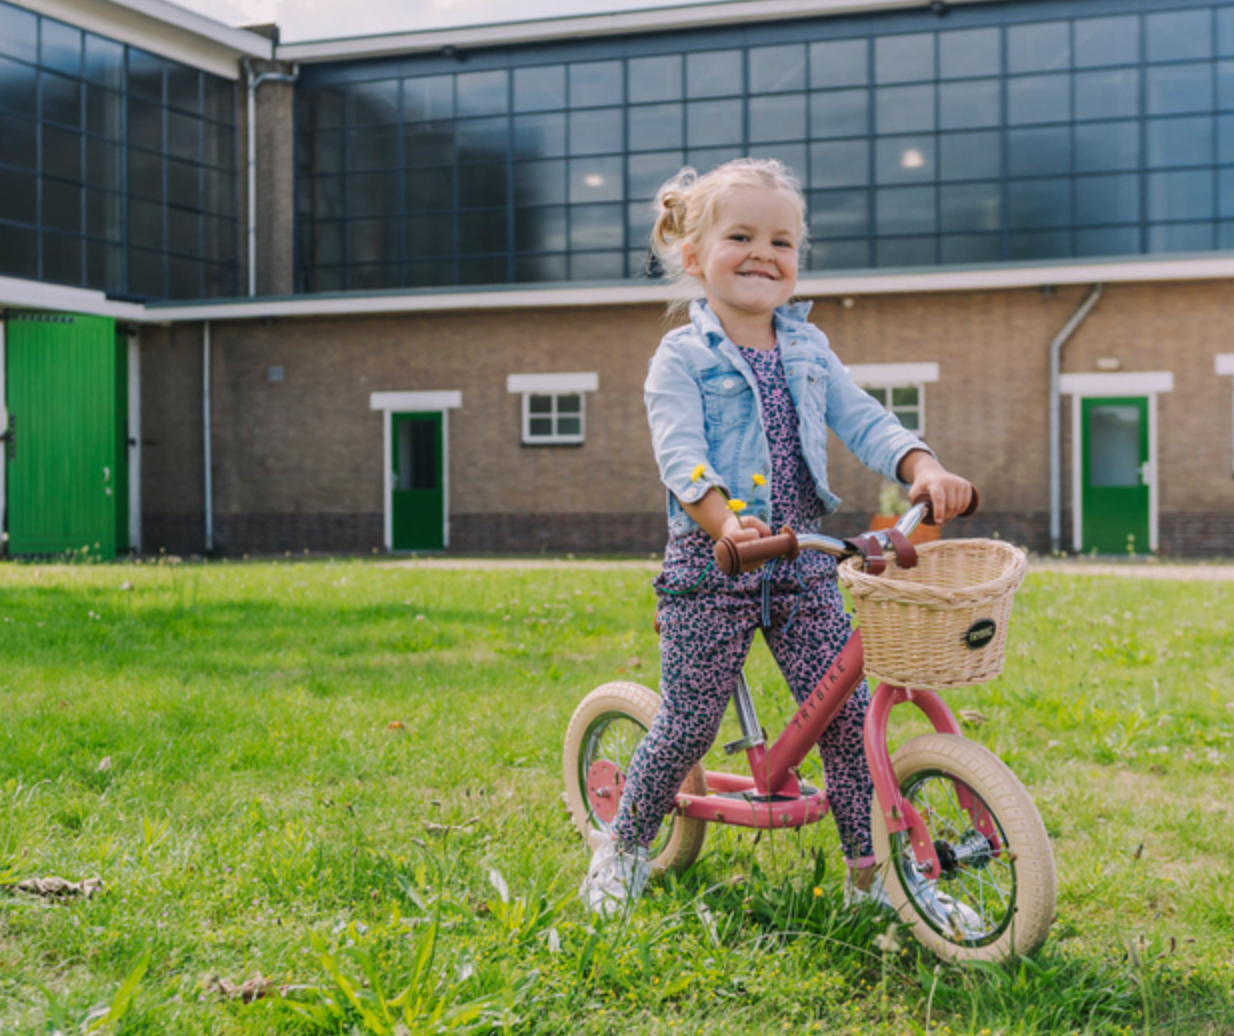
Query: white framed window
(900, 387)
(554, 411)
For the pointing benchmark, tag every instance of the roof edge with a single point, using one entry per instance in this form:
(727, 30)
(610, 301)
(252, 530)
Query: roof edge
(16, 293)
(543, 30)
(164, 28)
(559, 296)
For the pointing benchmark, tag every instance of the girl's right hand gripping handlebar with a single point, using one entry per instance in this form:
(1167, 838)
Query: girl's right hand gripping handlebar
(733, 558)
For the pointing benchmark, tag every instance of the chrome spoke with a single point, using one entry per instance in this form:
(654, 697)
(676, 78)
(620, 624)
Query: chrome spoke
(974, 900)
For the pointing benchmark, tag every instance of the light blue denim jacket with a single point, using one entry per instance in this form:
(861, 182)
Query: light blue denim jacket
(703, 407)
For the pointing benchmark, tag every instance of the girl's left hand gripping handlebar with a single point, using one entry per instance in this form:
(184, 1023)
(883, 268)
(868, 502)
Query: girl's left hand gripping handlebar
(732, 558)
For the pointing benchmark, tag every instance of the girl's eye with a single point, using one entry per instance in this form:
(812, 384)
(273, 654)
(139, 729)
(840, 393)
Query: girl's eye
(739, 237)
(783, 244)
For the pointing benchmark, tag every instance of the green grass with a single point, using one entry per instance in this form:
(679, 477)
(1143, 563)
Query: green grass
(262, 811)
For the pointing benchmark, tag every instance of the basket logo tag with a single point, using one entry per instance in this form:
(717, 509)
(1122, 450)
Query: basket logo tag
(980, 633)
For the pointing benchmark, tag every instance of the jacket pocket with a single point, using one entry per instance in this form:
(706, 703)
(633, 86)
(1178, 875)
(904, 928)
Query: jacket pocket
(727, 399)
(807, 380)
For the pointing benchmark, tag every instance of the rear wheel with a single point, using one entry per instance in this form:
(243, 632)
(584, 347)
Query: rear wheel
(995, 897)
(604, 731)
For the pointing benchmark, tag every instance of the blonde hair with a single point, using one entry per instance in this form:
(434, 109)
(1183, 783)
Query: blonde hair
(686, 207)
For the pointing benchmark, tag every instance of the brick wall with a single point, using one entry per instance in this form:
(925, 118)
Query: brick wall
(303, 457)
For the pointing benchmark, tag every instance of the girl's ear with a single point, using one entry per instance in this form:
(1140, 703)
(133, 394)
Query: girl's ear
(690, 259)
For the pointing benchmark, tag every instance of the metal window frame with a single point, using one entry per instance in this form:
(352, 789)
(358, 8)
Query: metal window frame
(167, 254)
(1007, 242)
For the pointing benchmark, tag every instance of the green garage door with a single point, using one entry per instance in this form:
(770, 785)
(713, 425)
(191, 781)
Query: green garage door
(67, 472)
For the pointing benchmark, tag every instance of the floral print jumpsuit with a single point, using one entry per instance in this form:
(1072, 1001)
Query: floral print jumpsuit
(707, 624)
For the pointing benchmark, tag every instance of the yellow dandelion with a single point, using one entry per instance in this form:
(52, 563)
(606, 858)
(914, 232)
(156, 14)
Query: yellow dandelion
(817, 892)
(759, 480)
(698, 472)
(736, 505)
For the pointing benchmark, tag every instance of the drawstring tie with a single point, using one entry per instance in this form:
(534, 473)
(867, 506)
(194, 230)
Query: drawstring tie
(764, 618)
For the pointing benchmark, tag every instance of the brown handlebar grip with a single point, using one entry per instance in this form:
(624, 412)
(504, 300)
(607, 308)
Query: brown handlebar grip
(733, 558)
(970, 510)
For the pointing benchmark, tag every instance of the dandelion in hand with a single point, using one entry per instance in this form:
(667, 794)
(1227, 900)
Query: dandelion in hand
(698, 472)
(737, 506)
(759, 480)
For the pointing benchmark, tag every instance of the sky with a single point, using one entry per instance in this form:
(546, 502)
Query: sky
(328, 19)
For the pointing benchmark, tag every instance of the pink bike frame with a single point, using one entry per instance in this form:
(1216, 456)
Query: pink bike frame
(774, 797)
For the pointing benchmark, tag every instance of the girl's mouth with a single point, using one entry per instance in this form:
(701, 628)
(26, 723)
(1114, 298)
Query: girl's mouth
(756, 273)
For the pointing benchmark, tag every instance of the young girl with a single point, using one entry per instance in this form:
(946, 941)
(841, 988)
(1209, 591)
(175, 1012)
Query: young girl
(739, 401)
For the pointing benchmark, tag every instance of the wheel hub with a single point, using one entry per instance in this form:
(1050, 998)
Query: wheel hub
(605, 783)
(973, 852)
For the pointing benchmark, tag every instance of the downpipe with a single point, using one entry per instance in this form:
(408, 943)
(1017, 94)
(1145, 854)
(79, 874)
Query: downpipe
(1056, 449)
(253, 82)
(206, 431)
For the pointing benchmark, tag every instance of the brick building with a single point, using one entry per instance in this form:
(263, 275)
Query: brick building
(430, 328)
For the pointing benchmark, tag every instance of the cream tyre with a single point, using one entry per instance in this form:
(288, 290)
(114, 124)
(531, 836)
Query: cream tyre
(607, 726)
(994, 904)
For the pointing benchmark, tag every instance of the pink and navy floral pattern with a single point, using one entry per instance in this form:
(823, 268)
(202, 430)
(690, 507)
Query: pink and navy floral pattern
(707, 624)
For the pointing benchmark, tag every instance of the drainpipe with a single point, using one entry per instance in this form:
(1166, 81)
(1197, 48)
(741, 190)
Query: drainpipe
(1056, 464)
(207, 451)
(254, 81)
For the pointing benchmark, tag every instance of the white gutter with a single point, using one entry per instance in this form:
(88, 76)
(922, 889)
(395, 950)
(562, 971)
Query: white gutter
(1056, 449)
(892, 282)
(16, 293)
(540, 30)
(253, 83)
(207, 447)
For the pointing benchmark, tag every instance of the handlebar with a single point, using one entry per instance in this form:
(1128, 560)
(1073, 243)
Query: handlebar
(732, 558)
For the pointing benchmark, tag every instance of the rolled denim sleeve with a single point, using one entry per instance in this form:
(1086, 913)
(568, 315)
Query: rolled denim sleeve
(873, 434)
(675, 414)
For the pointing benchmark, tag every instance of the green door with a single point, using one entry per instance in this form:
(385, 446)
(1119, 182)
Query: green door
(1115, 490)
(418, 496)
(66, 381)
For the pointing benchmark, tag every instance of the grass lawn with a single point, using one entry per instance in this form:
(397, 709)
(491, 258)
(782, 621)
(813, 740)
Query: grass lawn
(345, 777)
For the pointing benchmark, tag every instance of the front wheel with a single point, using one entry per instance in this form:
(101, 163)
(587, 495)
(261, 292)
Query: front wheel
(604, 731)
(995, 897)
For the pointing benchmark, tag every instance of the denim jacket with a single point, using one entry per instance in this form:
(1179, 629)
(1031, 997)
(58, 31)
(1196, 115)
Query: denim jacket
(703, 408)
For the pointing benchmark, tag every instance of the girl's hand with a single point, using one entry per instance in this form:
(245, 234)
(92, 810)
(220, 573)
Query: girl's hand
(713, 514)
(741, 530)
(950, 494)
(929, 480)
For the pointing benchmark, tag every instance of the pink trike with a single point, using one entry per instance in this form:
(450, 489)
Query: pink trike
(970, 865)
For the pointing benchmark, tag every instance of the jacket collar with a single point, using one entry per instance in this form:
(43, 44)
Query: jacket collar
(788, 318)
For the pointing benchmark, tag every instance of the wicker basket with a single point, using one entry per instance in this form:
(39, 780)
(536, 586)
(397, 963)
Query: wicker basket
(943, 623)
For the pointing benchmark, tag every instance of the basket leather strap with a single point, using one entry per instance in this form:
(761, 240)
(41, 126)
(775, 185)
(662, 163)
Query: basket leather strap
(871, 552)
(906, 553)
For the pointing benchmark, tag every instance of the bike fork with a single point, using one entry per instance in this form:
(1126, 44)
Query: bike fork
(898, 813)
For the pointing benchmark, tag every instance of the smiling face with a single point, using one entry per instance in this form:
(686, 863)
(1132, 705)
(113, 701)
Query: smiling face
(747, 259)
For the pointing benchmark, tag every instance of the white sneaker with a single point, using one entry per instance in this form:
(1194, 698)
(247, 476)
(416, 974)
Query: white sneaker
(615, 878)
(875, 895)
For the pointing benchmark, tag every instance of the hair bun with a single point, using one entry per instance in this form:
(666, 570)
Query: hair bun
(672, 204)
